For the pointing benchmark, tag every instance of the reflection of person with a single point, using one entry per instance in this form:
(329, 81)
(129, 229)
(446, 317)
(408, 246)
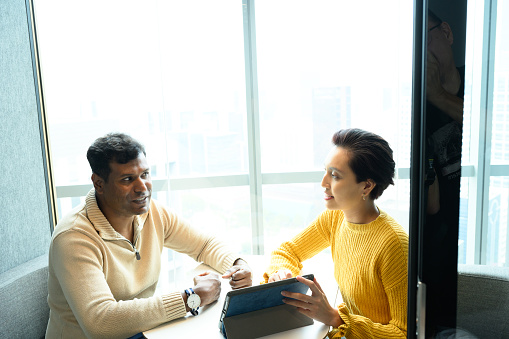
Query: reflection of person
(369, 248)
(105, 256)
(444, 118)
(444, 95)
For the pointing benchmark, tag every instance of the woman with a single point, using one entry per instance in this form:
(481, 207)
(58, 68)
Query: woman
(369, 248)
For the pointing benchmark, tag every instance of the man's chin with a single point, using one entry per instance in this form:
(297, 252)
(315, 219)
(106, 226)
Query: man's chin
(142, 208)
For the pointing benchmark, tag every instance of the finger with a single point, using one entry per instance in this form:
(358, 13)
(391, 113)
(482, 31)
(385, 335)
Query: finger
(297, 296)
(318, 285)
(297, 303)
(310, 284)
(230, 272)
(274, 277)
(285, 274)
(241, 283)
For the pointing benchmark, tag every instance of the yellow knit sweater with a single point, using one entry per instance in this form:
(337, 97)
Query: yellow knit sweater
(370, 267)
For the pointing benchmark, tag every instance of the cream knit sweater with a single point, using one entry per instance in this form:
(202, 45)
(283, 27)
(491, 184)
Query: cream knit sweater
(97, 287)
(370, 267)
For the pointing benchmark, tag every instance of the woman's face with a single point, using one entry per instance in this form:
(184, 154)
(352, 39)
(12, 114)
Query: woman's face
(342, 191)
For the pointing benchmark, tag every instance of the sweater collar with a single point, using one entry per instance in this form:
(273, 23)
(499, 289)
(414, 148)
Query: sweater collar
(363, 227)
(102, 225)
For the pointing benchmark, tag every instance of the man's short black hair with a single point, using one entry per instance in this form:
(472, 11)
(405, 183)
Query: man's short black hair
(118, 147)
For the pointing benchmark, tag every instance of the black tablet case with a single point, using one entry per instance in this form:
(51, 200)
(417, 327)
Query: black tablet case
(257, 311)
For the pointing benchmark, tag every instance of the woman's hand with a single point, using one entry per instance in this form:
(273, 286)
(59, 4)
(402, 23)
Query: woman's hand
(280, 275)
(315, 305)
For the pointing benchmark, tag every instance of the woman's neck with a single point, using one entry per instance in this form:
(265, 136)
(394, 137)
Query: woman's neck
(364, 214)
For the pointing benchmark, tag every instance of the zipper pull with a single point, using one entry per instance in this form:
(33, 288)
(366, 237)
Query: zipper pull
(138, 256)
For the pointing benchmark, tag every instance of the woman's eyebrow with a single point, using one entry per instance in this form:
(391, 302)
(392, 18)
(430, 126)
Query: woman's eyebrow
(331, 168)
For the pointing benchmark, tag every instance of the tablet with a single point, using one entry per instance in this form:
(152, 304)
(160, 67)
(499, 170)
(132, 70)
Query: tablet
(259, 310)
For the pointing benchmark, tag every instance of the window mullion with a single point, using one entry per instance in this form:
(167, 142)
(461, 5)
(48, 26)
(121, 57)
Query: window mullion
(485, 127)
(253, 127)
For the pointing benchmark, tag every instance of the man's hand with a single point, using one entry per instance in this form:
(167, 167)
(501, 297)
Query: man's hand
(208, 287)
(240, 274)
(315, 305)
(280, 275)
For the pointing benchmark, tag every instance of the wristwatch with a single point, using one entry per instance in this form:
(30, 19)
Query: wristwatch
(193, 301)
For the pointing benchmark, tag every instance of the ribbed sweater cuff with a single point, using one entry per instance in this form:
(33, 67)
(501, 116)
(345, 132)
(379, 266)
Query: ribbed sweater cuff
(174, 306)
(228, 263)
(342, 330)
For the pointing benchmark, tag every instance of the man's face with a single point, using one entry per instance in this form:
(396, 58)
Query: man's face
(128, 190)
(440, 39)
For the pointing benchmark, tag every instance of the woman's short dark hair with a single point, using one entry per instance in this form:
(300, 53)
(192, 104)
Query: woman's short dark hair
(118, 147)
(370, 157)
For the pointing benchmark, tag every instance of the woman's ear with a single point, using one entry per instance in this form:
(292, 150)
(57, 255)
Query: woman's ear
(369, 185)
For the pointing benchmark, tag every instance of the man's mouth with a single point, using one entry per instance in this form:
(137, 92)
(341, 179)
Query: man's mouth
(141, 200)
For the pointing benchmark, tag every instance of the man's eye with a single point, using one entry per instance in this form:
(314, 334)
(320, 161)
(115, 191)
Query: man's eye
(127, 179)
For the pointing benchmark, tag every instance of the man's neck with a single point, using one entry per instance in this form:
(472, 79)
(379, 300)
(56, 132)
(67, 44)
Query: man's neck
(123, 225)
(126, 228)
(451, 80)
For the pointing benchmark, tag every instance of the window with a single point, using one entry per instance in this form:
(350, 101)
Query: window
(484, 187)
(236, 105)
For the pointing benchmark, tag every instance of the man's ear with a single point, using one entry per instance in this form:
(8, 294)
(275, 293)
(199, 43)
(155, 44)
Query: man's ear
(369, 185)
(446, 29)
(98, 183)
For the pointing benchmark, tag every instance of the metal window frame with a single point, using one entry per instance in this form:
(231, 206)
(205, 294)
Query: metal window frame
(480, 147)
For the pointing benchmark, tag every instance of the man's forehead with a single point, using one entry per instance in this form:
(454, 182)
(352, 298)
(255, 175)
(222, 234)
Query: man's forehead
(140, 162)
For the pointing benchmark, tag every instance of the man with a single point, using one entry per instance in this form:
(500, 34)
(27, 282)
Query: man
(444, 119)
(104, 258)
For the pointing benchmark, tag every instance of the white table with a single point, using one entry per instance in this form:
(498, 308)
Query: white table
(206, 323)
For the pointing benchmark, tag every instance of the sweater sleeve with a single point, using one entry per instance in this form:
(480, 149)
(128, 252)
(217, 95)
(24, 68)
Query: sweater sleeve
(311, 241)
(78, 265)
(202, 247)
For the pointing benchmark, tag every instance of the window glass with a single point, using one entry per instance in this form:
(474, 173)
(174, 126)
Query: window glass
(290, 208)
(168, 73)
(172, 74)
(500, 131)
(224, 212)
(322, 68)
(497, 222)
(497, 219)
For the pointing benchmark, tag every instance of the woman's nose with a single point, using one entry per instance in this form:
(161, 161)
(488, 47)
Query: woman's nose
(325, 183)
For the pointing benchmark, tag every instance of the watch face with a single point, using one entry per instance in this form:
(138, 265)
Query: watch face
(193, 301)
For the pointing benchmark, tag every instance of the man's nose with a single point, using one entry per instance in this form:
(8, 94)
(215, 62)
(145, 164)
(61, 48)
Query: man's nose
(140, 185)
